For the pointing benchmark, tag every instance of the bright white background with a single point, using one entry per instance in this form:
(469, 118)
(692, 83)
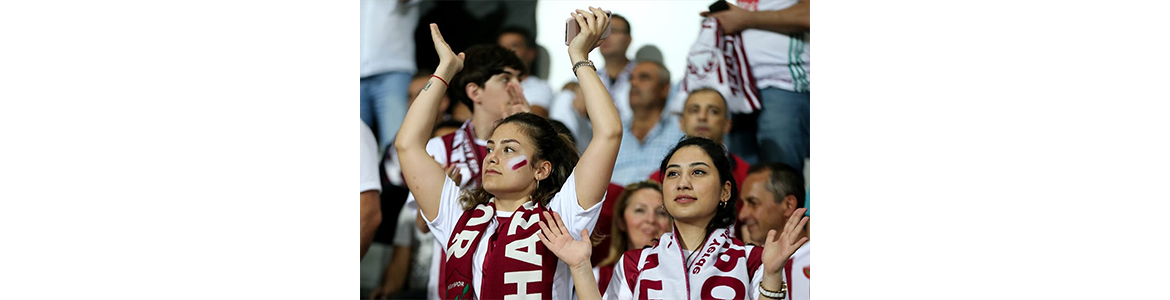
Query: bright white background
(182, 150)
(672, 27)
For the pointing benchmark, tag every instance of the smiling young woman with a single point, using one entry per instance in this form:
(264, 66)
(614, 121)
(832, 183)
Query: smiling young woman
(699, 259)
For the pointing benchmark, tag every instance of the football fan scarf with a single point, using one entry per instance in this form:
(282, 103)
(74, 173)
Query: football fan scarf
(462, 150)
(662, 272)
(516, 263)
(718, 61)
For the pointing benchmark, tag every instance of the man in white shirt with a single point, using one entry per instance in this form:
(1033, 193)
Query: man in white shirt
(775, 40)
(536, 90)
(771, 194)
(387, 62)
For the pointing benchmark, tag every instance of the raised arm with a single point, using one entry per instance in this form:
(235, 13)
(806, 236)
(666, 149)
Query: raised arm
(596, 164)
(793, 19)
(423, 176)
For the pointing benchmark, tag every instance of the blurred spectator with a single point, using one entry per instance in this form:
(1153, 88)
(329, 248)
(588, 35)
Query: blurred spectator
(776, 44)
(616, 73)
(705, 114)
(408, 273)
(639, 219)
(371, 208)
(536, 90)
(479, 22)
(653, 131)
(649, 53)
(771, 194)
(387, 62)
(569, 109)
(370, 186)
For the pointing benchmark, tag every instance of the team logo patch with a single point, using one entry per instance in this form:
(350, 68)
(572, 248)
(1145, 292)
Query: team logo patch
(806, 273)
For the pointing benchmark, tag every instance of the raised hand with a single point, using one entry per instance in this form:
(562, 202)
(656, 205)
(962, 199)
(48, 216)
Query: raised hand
(516, 102)
(449, 63)
(777, 251)
(733, 20)
(556, 238)
(453, 172)
(592, 23)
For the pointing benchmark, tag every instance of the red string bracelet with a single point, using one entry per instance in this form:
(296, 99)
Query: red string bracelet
(441, 79)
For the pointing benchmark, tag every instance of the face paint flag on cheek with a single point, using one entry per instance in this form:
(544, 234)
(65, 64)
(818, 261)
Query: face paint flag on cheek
(517, 162)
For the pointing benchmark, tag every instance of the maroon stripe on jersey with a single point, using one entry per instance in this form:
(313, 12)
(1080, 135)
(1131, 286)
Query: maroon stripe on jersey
(630, 266)
(788, 276)
(754, 260)
(749, 86)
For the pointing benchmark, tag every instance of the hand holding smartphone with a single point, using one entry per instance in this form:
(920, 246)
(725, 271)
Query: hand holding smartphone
(572, 29)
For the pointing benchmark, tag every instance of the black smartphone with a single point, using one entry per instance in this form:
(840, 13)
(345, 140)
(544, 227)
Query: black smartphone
(718, 6)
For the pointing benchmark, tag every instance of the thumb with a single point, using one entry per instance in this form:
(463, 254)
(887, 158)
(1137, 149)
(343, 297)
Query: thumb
(461, 55)
(704, 14)
(584, 234)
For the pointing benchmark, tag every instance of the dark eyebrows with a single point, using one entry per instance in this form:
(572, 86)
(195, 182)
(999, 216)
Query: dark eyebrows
(504, 141)
(697, 163)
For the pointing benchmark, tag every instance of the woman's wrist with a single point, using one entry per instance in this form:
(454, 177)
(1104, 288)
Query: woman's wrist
(772, 281)
(585, 266)
(577, 57)
(445, 71)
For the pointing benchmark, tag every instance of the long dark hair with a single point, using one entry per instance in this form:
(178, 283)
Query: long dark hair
(724, 214)
(556, 148)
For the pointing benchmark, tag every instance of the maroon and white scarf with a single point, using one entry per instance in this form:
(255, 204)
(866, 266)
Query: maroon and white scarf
(718, 61)
(516, 263)
(721, 269)
(465, 153)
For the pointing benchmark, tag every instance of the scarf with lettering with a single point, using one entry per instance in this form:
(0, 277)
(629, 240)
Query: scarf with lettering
(516, 263)
(465, 153)
(721, 269)
(718, 61)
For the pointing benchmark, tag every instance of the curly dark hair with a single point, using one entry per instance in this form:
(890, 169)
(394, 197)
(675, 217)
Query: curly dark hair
(551, 146)
(480, 63)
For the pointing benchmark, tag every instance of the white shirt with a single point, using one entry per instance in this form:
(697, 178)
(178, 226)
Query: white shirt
(387, 36)
(777, 60)
(798, 288)
(537, 92)
(368, 158)
(564, 203)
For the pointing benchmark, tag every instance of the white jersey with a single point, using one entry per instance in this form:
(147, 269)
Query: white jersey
(776, 60)
(796, 273)
(564, 202)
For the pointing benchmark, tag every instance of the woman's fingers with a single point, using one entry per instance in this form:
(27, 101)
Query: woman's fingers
(580, 21)
(436, 35)
(544, 232)
(560, 223)
(600, 16)
(589, 20)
